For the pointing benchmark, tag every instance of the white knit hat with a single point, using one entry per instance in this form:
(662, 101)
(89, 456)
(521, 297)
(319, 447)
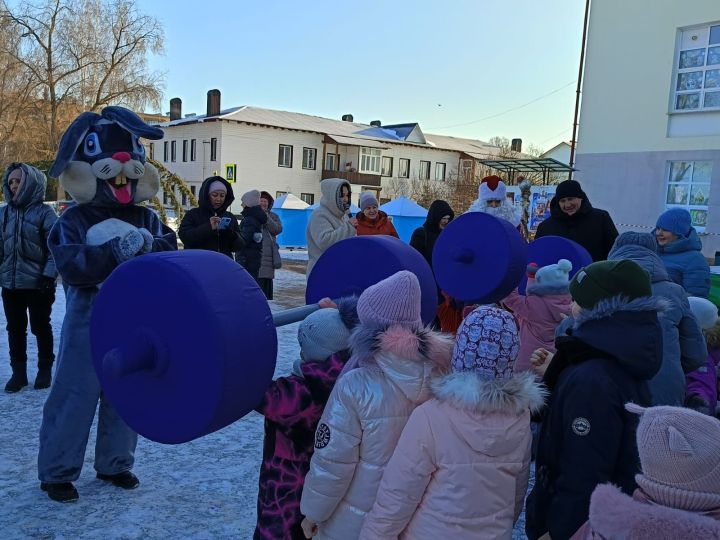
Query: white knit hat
(706, 313)
(492, 188)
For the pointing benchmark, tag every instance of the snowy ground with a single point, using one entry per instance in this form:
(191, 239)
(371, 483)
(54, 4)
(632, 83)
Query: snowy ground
(203, 489)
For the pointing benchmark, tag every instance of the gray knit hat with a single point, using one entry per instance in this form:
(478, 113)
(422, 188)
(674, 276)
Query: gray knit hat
(322, 334)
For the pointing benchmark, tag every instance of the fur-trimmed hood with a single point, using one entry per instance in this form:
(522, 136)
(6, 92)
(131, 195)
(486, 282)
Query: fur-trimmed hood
(614, 515)
(465, 390)
(641, 348)
(407, 357)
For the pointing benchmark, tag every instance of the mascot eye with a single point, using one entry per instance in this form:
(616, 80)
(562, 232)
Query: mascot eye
(92, 145)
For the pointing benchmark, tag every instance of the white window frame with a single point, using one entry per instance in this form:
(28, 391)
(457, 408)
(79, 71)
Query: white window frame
(424, 175)
(370, 160)
(683, 189)
(173, 151)
(335, 158)
(440, 167)
(308, 198)
(387, 171)
(193, 149)
(403, 173)
(285, 156)
(309, 158)
(702, 35)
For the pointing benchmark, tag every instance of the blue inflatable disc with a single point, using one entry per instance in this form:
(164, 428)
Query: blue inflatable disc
(183, 343)
(550, 249)
(479, 258)
(352, 265)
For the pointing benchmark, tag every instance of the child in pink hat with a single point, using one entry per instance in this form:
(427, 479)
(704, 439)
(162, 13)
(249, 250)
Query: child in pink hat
(460, 469)
(394, 357)
(678, 494)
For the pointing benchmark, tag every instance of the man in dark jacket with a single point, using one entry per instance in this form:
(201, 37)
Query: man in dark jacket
(573, 217)
(210, 226)
(587, 437)
(27, 272)
(423, 238)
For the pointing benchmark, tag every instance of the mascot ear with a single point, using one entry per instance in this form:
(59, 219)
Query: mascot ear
(131, 122)
(71, 140)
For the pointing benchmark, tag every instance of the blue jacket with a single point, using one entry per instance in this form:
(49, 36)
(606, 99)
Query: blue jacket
(684, 348)
(25, 261)
(686, 264)
(587, 437)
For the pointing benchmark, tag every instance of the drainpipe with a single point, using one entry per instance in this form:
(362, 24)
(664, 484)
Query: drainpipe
(578, 91)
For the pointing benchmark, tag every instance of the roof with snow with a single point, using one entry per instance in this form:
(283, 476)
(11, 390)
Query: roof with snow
(402, 206)
(290, 202)
(351, 133)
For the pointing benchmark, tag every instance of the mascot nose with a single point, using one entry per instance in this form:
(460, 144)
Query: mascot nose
(122, 157)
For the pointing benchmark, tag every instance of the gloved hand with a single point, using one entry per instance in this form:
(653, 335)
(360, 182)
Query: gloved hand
(148, 238)
(257, 237)
(130, 244)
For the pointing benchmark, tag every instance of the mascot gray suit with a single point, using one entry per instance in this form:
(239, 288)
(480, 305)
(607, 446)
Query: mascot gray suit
(101, 163)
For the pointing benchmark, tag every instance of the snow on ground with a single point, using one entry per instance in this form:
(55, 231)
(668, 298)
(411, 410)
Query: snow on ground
(203, 489)
(294, 254)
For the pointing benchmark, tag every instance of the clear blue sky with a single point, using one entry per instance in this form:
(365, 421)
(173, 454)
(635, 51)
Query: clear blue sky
(439, 63)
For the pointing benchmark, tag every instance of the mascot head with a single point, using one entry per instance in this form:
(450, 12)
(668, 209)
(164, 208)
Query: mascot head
(101, 159)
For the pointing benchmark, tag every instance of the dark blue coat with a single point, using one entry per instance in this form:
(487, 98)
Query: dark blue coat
(684, 348)
(587, 437)
(686, 264)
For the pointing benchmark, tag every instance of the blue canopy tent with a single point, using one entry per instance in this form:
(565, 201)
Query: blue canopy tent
(293, 214)
(407, 215)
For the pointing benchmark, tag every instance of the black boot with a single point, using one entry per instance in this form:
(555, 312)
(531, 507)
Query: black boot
(63, 492)
(18, 379)
(44, 374)
(125, 480)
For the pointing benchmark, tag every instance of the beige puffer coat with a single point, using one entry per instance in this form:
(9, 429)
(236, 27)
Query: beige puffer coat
(362, 423)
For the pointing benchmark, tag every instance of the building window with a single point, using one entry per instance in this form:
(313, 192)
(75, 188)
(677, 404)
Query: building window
(404, 168)
(279, 194)
(424, 170)
(165, 151)
(309, 158)
(466, 165)
(185, 150)
(689, 187)
(213, 149)
(370, 159)
(387, 166)
(173, 150)
(184, 198)
(192, 190)
(331, 162)
(285, 155)
(308, 197)
(193, 149)
(440, 171)
(697, 75)
(151, 150)
(166, 199)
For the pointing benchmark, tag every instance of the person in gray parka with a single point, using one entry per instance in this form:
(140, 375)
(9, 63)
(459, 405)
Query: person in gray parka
(270, 253)
(330, 222)
(27, 272)
(684, 348)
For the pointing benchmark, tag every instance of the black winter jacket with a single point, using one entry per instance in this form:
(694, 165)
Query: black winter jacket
(250, 256)
(590, 227)
(587, 437)
(25, 260)
(423, 238)
(195, 230)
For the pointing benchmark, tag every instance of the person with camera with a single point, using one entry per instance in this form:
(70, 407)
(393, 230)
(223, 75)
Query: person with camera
(27, 272)
(210, 226)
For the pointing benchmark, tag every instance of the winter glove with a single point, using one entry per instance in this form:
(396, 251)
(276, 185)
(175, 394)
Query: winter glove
(130, 244)
(148, 238)
(257, 237)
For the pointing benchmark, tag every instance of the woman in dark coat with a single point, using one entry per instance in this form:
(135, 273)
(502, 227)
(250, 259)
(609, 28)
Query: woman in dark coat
(210, 226)
(270, 253)
(423, 238)
(573, 217)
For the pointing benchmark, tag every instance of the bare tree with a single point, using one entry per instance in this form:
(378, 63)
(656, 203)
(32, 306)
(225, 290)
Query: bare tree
(398, 187)
(84, 54)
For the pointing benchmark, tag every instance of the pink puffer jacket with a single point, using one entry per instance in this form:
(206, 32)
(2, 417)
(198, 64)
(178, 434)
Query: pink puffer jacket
(460, 469)
(538, 317)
